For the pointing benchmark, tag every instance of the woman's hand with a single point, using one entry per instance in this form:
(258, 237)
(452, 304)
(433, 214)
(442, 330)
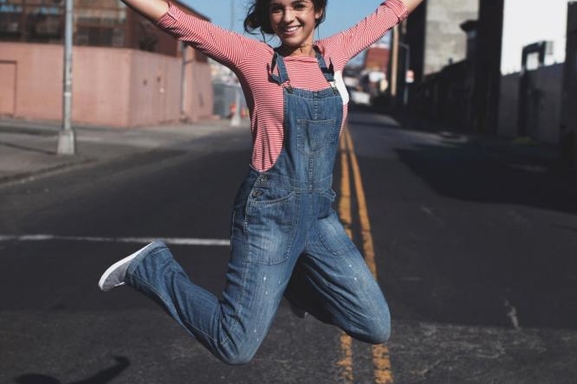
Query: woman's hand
(411, 4)
(151, 9)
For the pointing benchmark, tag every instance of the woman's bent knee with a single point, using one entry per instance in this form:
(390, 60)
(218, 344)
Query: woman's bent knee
(377, 334)
(375, 329)
(382, 336)
(236, 355)
(236, 360)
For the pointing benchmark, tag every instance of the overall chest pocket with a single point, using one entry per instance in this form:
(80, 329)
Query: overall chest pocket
(316, 136)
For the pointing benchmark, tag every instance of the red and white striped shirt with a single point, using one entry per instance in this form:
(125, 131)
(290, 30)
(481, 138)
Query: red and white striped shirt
(250, 60)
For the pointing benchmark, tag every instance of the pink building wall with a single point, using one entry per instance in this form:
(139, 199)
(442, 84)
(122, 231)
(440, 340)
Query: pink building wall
(111, 86)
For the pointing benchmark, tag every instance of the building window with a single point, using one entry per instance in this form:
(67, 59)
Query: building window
(100, 23)
(10, 20)
(96, 22)
(37, 21)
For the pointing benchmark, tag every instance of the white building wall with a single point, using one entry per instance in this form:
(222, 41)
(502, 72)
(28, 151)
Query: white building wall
(446, 42)
(530, 21)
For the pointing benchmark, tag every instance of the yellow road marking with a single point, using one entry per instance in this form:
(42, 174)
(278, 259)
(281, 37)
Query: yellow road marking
(367, 237)
(382, 364)
(345, 198)
(381, 359)
(346, 361)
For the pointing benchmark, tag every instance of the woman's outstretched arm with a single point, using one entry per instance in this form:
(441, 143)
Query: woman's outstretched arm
(346, 44)
(227, 47)
(151, 9)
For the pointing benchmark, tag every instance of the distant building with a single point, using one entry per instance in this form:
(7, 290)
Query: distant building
(373, 79)
(536, 76)
(568, 128)
(430, 40)
(434, 35)
(126, 71)
(536, 101)
(97, 23)
(524, 24)
(377, 58)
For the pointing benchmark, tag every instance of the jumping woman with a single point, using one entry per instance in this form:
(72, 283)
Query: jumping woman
(286, 240)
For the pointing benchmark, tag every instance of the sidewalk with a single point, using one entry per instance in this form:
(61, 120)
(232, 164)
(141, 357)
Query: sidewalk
(523, 147)
(28, 149)
(519, 146)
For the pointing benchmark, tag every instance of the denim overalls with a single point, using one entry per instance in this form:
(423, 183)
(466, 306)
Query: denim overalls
(282, 222)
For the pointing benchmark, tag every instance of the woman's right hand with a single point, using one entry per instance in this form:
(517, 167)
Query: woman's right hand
(151, 9)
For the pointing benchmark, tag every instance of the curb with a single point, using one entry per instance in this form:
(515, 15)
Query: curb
(23, 176)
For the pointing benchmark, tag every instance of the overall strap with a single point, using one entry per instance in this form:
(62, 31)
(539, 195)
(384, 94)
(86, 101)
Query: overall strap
(329, 71)
(282, 77)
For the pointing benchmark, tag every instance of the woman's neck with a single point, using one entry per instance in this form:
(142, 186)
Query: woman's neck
(306, 50)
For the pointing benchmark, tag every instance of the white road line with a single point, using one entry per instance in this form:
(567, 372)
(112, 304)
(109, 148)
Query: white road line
(143, 240)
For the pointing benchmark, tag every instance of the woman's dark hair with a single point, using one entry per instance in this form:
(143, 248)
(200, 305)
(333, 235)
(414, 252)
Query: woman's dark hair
(258, 16)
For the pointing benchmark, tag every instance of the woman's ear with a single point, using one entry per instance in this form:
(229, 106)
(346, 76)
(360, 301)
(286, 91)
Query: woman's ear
(319, 14)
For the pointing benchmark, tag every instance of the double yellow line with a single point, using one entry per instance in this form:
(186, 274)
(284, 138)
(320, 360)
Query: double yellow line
(381, 361)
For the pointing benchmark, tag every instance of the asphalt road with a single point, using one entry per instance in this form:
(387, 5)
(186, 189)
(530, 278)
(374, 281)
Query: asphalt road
(474, 245)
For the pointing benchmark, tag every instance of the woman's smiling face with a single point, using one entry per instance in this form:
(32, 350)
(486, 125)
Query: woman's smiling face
(294, 21)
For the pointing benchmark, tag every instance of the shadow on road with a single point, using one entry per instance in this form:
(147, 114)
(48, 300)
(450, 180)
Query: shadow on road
(102, 377)
(530, 263)
(492, 174)
(482, 168)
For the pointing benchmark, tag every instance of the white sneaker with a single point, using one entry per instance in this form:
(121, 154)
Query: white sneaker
(114, 276)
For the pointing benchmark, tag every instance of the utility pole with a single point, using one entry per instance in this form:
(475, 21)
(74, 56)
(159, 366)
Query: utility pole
(395, 63)
(486, 90)
(66, 142)
(407, 49)
(183, 63)
(235, 120)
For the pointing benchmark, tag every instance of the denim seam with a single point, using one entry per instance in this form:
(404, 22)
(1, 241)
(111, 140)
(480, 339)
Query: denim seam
(226, 340)
(271, 202)
(324, 243)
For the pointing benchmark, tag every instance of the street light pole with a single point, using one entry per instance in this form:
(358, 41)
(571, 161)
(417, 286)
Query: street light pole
(183, 80)
(66, 142)
(235, 120)
(407, 67)
(394, 62)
